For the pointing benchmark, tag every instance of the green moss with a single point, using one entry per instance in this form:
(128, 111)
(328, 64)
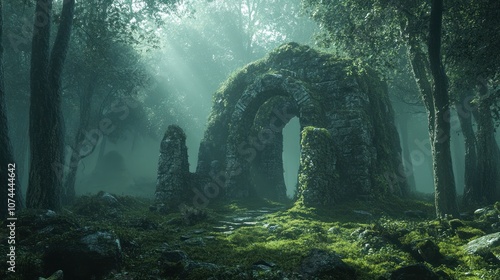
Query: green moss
(466, 233)
(299, 229)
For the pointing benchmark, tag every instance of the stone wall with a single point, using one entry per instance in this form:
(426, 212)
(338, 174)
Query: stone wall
(348, 104)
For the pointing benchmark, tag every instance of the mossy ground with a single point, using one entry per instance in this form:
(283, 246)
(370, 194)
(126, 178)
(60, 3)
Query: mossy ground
(144, 233)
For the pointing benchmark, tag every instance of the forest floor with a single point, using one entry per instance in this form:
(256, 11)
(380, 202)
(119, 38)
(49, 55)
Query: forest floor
(253, 240)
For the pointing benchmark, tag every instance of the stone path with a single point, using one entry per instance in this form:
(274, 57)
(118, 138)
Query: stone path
(246, 219)
(228, 225)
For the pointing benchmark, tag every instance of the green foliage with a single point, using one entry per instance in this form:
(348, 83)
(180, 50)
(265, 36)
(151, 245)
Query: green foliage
(284, 238)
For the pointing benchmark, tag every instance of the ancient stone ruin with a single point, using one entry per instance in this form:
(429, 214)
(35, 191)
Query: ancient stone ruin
(349, 144)
(173, 170)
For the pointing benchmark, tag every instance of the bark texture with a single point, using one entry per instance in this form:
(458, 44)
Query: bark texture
(46, 123)
(444, 181)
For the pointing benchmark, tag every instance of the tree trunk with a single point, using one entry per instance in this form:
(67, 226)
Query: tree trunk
(444, 181)
(6, 157)
(408, 165)
(76, 152)
(46, 123)
(470, 196)
(420, 72)
(487, 150)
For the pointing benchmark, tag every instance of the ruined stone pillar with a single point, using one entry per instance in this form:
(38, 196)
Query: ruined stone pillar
(318, 178)
(173, 170)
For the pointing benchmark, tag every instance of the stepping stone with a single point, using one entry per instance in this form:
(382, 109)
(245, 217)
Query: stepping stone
(242, 219)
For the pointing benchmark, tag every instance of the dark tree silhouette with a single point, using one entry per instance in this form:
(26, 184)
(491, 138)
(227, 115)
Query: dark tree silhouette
(444, 180)
(46, 121)
(6, 157)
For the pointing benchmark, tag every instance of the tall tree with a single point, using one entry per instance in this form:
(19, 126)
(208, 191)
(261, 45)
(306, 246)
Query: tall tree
(473, 68)
(46, 121)
(444, 180)
(6, 157)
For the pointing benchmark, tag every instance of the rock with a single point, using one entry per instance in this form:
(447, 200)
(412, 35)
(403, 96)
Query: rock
(264, 263)
(455, 223)
(480, 211)
(325, 265)
(144, 224)
(108, 198)
(334, 230)
(468, 232)
(362, 213)
(177, 264)
(58, 275)
(195, 241)
(414, 272)
(174, 256)
(272, 227)
(483, 244)
(184, 237)
(173, 263)
(429, 252)
(84, 255)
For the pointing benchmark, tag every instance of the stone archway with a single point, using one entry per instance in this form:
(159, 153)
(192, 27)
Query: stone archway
(349, 144)
(243, 149)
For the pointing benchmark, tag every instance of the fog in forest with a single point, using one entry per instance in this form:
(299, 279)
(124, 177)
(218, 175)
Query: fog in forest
(169, 72)
(249, 139)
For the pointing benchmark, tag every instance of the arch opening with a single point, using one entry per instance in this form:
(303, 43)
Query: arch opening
(291, 155)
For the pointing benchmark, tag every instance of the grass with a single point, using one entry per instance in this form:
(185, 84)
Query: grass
(374, 245)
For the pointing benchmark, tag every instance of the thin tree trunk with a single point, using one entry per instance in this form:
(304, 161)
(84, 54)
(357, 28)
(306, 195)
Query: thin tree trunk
(6, 158)
(76, 153)
(418, 64)
(408, 165)
(470, 172)
(46, 122)
(487, 150)
(102, 151)
(444, 180)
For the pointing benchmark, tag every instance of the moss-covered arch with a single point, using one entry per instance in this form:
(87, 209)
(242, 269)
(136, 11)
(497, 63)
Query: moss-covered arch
(349, 103)
(243, 148)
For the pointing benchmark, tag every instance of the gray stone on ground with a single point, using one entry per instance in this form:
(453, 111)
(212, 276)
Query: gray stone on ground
(483, 244)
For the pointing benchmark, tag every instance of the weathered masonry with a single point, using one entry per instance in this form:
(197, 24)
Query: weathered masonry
(349, 144)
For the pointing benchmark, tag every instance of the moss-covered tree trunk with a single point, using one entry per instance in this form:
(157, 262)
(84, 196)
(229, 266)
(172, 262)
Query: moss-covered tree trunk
(46, 122)
(444, 180)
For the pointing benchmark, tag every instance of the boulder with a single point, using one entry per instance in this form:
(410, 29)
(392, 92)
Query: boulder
(83, 254)
(414, 272)
(483, 244)
(325, 265)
